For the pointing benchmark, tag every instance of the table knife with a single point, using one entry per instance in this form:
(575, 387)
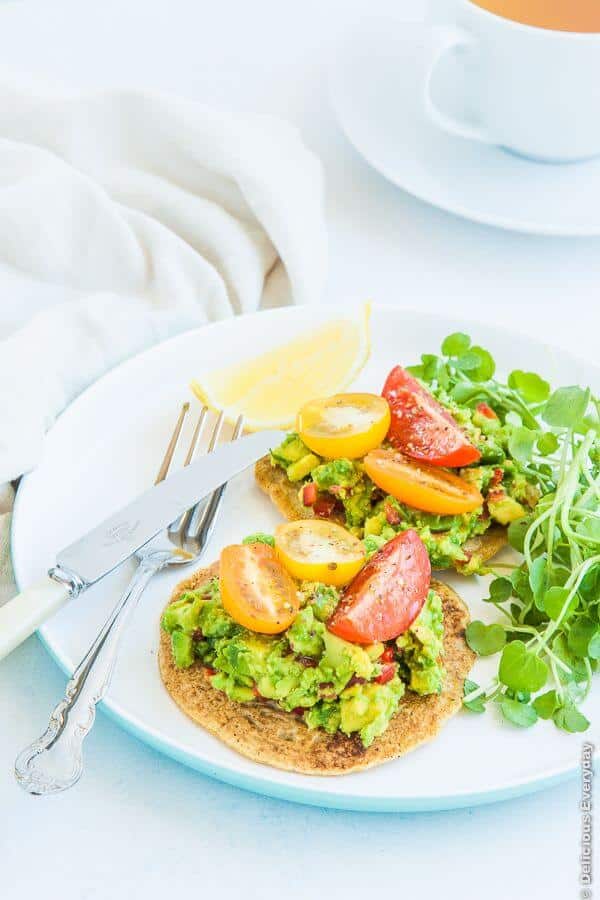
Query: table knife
(107, 546)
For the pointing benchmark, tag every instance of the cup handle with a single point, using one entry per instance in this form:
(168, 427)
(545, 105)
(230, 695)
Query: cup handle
(446, 39)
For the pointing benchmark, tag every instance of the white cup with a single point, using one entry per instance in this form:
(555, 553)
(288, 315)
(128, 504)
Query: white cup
(533, 91)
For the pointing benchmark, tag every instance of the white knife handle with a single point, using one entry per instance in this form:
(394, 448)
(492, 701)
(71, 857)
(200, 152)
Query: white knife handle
(22, 615)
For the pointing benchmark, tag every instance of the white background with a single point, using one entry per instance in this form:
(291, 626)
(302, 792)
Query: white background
(141, 825)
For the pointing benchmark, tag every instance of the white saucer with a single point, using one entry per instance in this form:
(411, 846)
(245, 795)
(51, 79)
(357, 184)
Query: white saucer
(376, 85)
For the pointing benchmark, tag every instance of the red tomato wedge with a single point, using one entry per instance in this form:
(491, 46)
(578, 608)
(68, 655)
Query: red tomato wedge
(421, 428)
(421, 486)
(387, 595)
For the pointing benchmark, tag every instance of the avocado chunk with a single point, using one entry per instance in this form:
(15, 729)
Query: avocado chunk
(324, 715)
(183, 649)
(305, 634)
(504, 509)
(357, 504)
(245, 655)
(374, 651)
(486, 424)
(283, 678)
(259, 537)
(368, 708)
(340, 472)
(339, 652)
(183, 615)
(296, 471)
(375, 524)
(290, 450)
(421, 648)
(373, 543)
(323, 598)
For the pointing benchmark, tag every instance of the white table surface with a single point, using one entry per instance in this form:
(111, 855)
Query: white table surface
(139, 824)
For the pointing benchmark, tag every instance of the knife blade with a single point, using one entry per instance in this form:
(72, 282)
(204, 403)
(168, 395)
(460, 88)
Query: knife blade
(117, 538)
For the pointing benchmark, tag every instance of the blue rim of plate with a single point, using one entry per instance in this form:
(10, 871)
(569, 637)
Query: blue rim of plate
(291, 793)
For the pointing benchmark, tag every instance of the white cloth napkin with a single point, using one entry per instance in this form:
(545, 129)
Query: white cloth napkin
(126, 217)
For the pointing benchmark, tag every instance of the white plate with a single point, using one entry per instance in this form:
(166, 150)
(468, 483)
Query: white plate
(376, 86)
(105, 449)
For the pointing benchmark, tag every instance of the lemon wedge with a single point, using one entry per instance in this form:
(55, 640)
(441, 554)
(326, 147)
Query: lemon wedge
(270, 389)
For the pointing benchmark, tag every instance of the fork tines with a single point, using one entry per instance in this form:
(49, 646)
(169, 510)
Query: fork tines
(192, 530)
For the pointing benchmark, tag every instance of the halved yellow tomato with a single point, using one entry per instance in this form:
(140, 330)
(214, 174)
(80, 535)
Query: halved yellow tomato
(317, 550)
(346, 425)
(256, 590)
(421, 486)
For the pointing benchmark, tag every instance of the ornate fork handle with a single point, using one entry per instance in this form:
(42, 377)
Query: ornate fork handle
(54, 762)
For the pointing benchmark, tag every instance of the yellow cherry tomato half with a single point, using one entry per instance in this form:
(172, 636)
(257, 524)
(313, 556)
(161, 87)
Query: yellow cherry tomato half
(347, 425)
(256, 590)
(316, 550)
(424, 487)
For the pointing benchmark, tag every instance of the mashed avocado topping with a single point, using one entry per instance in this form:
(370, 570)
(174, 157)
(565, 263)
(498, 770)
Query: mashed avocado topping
(509, 492)
(307, 671)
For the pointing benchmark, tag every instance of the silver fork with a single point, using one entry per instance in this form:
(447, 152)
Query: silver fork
(54, 762)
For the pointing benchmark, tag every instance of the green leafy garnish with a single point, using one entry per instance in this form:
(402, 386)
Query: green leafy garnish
(485, 639)
(477, 703)
(549, 636)
(521, 714)
(546, 704)
(521, 443)
(532, 388)
(547, 443)
(566, 407)
(456, 344)
(570, 719)
(521, 669)
(500, 590)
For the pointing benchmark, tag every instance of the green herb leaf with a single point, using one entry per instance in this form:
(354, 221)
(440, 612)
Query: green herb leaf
(486, 367)
(554, 600)
(477, 704)
(516, 534)
(521, 443)
(568, 718)
(580, 635)
(566, 407)
(463, 392)
(546, 704)
(589, 588)
(594, 646)
(547, 443)
(500, 589)
(467, 362)
(530, 386)
(521, 586)
(520, 669)
(513, 418)
(456, 344)
(485, 639)
(537, 580)
(431, 366)
(521, 714)
(578, 671)
(589, 528)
